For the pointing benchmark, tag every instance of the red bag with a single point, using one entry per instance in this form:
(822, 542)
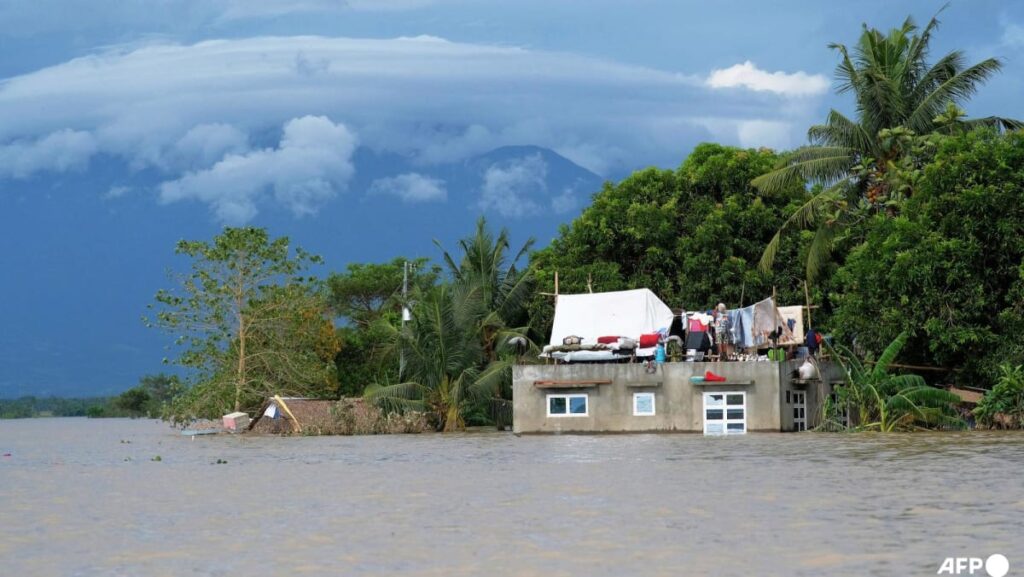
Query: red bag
(607, 340)
(651, 340)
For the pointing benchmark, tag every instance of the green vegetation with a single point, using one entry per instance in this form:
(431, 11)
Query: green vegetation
(692, 235)
(455, 349)
(860, 165)
(368, 299)
(30, 407)
(152, 397)
(250, 323)
(889, 402)
(1003, 406)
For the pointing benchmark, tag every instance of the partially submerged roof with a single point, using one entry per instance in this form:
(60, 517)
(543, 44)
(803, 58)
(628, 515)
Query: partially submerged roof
(621, 313)
(307, 411)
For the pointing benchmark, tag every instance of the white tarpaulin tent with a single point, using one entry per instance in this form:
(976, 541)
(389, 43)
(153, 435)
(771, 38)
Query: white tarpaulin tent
(620, 313)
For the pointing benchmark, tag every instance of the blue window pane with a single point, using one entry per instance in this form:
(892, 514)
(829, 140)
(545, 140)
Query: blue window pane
(734, 400)
(735, 427)
(734, 414)
(557, 406)
(644, 404)
(578, 405)
(714, 415)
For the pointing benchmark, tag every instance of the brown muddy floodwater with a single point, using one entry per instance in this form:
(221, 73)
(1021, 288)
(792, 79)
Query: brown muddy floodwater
(77, 501)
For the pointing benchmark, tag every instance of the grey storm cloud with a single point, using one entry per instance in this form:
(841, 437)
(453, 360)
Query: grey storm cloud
(191, 110)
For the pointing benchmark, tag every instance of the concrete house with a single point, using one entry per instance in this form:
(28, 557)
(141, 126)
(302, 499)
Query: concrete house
(614, 393)
(626, 397)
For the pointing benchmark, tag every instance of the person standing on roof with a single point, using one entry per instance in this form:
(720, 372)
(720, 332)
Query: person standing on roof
(723, 332)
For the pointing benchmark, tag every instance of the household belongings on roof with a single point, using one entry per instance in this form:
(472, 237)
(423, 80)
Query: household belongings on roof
(763, 323)
(608, 326)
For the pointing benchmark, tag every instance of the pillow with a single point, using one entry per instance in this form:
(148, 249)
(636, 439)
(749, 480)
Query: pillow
(572, 340)
(651, 340)
(607, 340)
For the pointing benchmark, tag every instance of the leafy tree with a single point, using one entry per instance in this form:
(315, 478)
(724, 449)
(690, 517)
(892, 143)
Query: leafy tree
(898, 96)
(250, 323)
(368, 292)
(888, 402)
(150, 398)
(135, 401)
(368, 298)
(948, 269)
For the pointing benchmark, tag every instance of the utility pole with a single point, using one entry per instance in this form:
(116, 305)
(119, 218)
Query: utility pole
(406, 316)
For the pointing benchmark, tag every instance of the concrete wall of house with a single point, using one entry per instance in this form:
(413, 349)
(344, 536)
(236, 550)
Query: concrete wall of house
(679, 404)
(816, 391)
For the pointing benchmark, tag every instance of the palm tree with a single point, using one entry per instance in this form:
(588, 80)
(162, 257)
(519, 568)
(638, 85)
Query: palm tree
(457, 347)
(899, 97)
(501, 288)
(443, 361)
(887, 402)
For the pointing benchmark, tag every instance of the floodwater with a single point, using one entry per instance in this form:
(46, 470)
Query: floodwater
(82, 497)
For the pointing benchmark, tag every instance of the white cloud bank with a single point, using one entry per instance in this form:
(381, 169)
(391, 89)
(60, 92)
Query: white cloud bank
(748, 75)
(312, 162)
(60, 151)
(411, 187)
(195, 111)
(508, 186)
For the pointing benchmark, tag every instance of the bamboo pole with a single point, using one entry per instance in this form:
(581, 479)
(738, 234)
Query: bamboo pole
(807, 297)
(295, 422)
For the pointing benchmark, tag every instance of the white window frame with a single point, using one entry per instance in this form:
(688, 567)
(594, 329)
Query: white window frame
(568, 397)
(799, 411)
(726, 421)
(654, 405)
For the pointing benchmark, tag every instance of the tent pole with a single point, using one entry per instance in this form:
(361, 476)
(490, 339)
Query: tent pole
(807, 297)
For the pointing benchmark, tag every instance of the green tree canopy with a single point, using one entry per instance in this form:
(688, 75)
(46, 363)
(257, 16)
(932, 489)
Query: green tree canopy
(949, 268)
(367, 292)
(898, 95)
(691, 235)
(249, 322)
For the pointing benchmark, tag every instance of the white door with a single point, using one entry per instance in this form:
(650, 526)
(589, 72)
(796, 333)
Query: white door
(799, 411)
(725, 413)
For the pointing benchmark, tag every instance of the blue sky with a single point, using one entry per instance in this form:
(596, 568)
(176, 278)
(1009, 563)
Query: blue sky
(127, 124)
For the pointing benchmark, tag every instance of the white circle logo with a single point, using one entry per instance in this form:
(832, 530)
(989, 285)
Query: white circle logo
(997, 565)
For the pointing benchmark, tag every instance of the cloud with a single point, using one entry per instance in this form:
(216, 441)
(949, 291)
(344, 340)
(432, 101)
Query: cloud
(748, 75)
(117, 192)
(27, 18)
(195, 112)
(1013, 34)
(205, 144)
(411, 187)
(59, 151)
(566, 201)
(508, 185)
(309, 166)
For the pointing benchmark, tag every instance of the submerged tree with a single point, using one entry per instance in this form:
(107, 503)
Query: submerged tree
(889, 402)
(899, 97)
(250, 324)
